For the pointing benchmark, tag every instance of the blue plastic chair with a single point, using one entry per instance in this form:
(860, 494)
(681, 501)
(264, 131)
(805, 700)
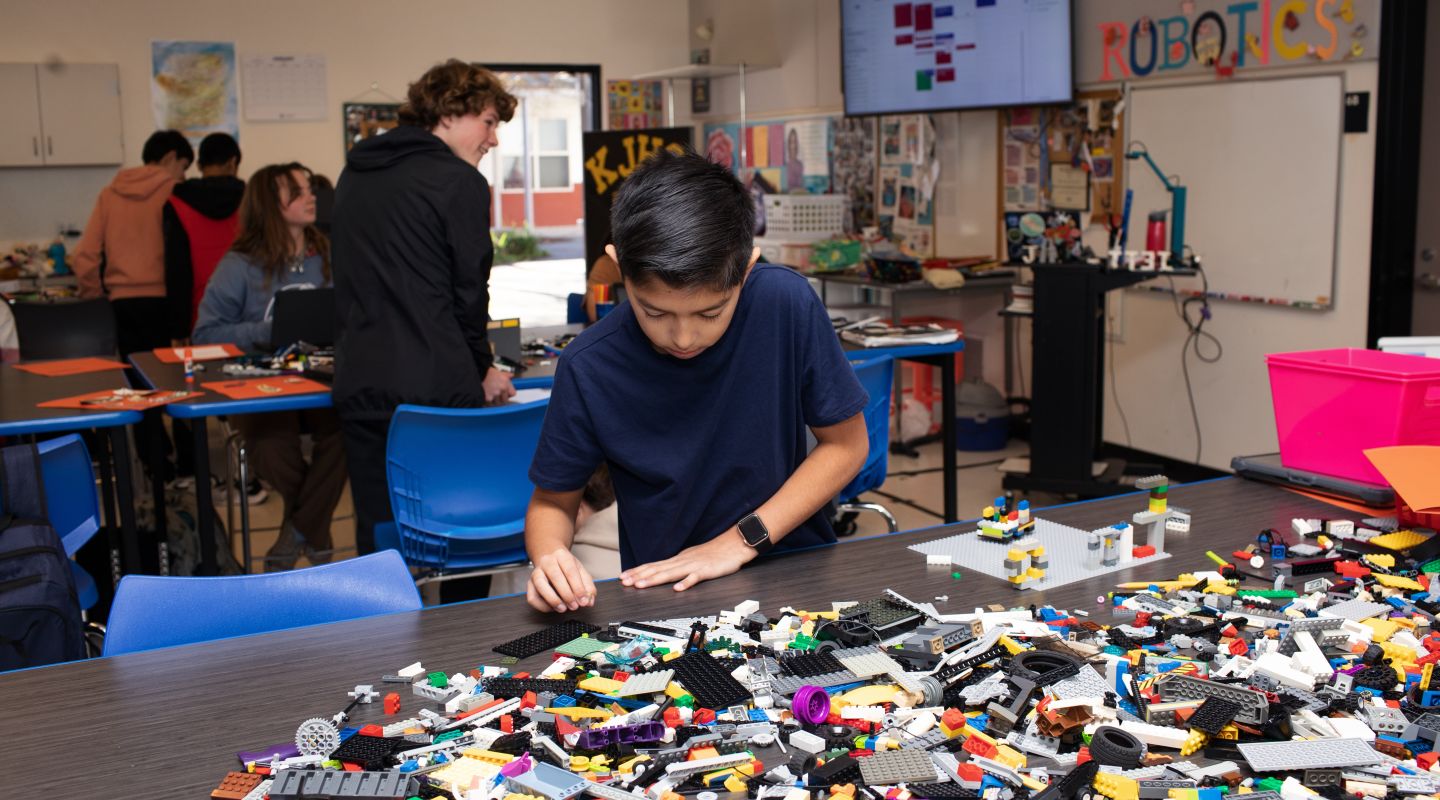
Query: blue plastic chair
(459, 486)
(151, 611)
(71, 503)
(575, 309)
(877, 375)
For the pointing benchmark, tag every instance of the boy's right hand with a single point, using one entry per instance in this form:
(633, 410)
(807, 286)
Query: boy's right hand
(560, 583)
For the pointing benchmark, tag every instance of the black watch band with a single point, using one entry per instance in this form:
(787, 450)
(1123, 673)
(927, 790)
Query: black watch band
(755, 534)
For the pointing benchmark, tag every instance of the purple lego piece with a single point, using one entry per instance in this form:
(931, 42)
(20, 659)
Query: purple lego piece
(811, 705)
(598, 738)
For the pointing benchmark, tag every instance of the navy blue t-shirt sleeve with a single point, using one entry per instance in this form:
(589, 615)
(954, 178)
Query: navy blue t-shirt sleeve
(568, 451)
(831, 393)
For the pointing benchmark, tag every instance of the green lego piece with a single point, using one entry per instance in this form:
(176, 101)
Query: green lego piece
(1269, 784)
(803, 642)
(720, 643)
(438, 680)
(446, 736)
(1271, 594)
(955, 575)
(685, 701)
(1431, 566)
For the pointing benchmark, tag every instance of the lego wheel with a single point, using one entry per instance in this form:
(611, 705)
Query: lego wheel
(317, 737)
(1114, 747)
(1034, 665)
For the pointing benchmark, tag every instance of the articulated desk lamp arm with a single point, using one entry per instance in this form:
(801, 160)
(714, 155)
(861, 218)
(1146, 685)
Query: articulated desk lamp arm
(1177, 202)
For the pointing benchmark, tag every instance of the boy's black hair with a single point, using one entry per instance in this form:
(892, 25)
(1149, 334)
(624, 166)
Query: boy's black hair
(217, 149)
(684, 220)
(162, 143)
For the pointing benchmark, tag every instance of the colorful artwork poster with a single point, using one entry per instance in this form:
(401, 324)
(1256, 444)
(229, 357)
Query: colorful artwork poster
(635, 104)
(852, 169)
(365, 120)
(799, 149)
(891, 148)
(192, 88)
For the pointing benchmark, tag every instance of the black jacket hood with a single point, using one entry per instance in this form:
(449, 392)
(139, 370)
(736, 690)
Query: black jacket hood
(387, 149)
(216, 197)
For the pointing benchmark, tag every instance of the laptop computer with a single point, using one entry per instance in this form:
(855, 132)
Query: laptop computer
(1269, 469)
(303, 315)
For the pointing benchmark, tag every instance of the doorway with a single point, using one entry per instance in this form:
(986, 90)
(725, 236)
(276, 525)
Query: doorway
(536, 184)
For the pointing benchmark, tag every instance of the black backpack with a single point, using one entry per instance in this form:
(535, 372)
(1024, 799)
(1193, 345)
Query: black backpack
(39, 611)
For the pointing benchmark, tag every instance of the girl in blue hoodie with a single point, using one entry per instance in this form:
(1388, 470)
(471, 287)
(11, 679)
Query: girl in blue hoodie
(279, 249)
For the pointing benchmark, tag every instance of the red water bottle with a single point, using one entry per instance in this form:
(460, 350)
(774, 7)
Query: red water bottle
(1155, 232)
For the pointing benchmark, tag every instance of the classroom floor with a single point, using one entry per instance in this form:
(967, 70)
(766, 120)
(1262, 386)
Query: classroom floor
(919, 502)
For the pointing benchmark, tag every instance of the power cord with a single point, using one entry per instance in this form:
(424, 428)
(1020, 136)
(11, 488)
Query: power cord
(1114, 388)
(1196, 332)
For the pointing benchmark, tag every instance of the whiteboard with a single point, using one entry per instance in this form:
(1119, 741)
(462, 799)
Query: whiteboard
(1261, 160)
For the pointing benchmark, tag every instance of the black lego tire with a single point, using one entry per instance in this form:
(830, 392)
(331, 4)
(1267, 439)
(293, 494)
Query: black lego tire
(1033, 664)
(1114, 747)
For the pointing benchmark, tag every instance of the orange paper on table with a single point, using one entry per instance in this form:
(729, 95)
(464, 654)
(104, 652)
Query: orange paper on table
(118, 400)
(204, 352)
(278, 386)
(1413, 471)
(70, 366)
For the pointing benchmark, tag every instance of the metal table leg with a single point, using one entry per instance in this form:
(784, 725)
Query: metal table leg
(125, 496)
(204, 510)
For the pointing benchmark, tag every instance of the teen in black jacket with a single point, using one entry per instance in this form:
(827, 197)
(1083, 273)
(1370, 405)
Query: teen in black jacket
(412, 259)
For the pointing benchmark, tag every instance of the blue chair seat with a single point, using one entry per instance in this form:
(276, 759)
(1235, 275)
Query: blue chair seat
(877, 375)
(151, 611)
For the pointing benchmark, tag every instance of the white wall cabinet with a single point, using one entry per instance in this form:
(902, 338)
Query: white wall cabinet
(60, 116)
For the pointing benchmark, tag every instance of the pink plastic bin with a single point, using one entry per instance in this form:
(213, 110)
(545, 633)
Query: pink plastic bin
(1331, 405)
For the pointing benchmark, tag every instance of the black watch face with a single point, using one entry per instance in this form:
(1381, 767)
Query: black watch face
(754, 531)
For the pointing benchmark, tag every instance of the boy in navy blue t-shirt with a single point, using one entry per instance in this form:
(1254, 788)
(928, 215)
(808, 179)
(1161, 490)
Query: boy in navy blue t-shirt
(697, 392)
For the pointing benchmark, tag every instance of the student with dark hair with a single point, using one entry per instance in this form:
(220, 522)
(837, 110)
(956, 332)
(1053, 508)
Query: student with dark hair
(199, 224)
(413, 258)
(697, 392)
(278, 249)
(125, 229)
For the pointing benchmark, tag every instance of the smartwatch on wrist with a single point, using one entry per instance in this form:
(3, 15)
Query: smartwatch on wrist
(755, 534)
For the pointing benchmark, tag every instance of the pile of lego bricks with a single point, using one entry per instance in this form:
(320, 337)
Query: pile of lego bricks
(1195, 688)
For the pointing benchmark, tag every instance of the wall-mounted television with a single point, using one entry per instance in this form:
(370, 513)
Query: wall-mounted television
(908, 57)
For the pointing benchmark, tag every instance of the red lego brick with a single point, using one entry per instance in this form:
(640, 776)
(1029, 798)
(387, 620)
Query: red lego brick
(236, 785)
(392, 703)
(977, 746)
(372, 730)
(507, 723)
(1142, 551)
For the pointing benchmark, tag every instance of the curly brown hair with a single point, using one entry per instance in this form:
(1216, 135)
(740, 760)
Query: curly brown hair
(454, 89)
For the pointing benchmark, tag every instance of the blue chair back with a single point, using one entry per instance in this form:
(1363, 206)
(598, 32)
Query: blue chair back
(877, 375)
(459, 482)
(150, 611)
(575, 309)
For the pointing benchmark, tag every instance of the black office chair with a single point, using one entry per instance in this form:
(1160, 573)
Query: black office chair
(65, 329)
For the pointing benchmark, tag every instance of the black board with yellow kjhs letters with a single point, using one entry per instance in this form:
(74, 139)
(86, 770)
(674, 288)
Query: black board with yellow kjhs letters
(610, 157)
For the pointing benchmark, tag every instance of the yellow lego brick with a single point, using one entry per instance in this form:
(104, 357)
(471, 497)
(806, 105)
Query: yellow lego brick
(867, 696)
(1194, 742)
(702, 752)
(580, 712)
(1216, 587)
(518, 796)
(1383, 628)
(460, 772)
(1397, 582)
(840, 790)
(628, 765)
(735, 783)
(1011, 646)
(1399, 540)
(600, 685)
(1398, 654)
(1032, 784)
(1426, 673)
(675, 691)
(1184, 794)
(489, 756)
(1379, 559)
(1117, 787)
(1009, 756)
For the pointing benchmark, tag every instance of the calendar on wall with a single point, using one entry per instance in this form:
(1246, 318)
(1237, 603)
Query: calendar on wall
(283, 88)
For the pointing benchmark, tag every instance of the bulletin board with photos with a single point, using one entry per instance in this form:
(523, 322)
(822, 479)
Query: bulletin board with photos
(1061, 158)
(365, 120)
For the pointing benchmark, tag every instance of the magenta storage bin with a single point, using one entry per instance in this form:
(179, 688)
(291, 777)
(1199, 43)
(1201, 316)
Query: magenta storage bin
(1332, 405)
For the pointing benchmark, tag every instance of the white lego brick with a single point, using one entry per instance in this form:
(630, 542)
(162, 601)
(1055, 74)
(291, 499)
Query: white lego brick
(938, 560)
(1305, 527)
(1309, 659)
(645, 683)
(867, 713)
(1127, 542)
(411, 671)
(1313, 754)
(1279, 667)
(1156, 735)
(807, 742)
(1351, 728)
(747, 607)
(1292, 789)
(559, 666)
(921, 724)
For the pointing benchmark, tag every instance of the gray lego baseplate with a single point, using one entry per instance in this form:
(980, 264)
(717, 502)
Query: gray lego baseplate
(1312, 754)
(789, 684)
(294, 784)
(1414, 784)
(645, 683)
(1032, 742)
(1387, 524)
(925, 741)
(1317, 627)
(1065, 547)
(1356, 609)
(867, 662)
(992, 687)
(897, 766)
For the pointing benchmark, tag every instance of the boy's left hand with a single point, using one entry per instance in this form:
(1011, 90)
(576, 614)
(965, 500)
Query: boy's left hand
(718, 557)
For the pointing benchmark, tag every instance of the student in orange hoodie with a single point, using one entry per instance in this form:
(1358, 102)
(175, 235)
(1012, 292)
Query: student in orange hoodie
(125, 234)
(122, 256)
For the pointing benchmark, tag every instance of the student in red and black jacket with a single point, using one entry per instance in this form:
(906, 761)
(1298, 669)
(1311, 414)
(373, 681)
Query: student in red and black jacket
(200, 222)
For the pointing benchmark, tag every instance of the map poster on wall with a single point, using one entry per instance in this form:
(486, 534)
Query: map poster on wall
(192, 87)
